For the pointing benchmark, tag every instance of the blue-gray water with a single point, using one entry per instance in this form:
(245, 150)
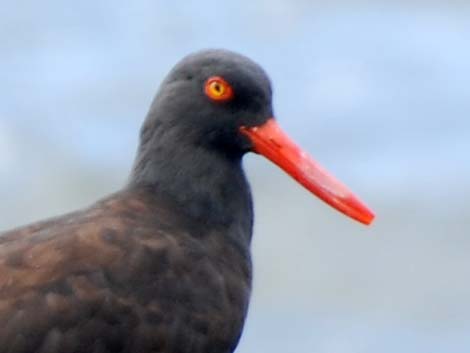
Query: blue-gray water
(377, 93)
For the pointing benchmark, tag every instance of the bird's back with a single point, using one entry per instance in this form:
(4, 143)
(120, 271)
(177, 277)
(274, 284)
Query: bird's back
(125, 275)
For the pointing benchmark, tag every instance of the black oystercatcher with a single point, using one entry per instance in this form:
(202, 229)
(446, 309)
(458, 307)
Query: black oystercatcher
(164, 264)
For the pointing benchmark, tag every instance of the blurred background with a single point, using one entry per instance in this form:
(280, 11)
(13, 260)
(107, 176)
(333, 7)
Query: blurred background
(377, 92)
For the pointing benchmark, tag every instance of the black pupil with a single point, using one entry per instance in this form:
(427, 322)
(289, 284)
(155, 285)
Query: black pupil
(217, 88)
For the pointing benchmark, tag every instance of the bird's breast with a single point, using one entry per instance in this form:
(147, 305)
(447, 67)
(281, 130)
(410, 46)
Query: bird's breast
(185, 289)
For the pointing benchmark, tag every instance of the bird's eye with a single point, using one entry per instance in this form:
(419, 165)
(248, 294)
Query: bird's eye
(217, 89)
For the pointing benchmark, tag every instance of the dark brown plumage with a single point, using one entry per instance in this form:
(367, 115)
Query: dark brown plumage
(116, 278)
(164, 264)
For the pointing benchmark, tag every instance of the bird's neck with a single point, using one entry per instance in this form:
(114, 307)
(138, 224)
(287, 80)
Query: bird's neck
(206, 186)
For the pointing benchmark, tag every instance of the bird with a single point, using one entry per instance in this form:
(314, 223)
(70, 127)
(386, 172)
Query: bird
(163, 264)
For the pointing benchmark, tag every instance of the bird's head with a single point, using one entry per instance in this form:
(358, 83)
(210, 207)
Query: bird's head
(208, 96)
(222, 101)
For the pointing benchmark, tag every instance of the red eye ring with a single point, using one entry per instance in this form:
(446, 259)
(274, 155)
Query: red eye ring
(217, 89)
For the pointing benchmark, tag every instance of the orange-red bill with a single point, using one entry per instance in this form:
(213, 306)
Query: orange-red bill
(270, 141)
